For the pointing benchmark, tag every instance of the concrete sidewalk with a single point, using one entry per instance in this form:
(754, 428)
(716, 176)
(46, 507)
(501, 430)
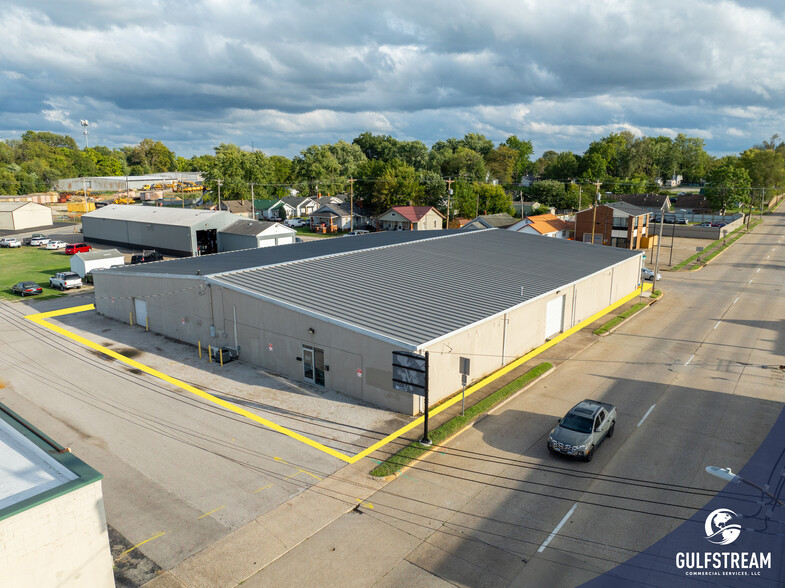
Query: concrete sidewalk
(246, 555)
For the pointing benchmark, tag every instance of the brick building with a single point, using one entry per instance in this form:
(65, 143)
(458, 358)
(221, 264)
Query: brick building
(617, 224)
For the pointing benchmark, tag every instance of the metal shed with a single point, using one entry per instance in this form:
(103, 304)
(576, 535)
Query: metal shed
(176, 231)
(18, 216)
(331, 313)
(249, 234)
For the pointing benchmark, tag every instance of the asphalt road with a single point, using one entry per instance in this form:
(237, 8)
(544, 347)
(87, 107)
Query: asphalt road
(696, 380)
(179, 471)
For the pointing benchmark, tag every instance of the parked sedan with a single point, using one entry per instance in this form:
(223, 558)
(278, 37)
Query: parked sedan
(718, 224)
(56, 245)
(10, 242)
(26, 288)
(648, 274)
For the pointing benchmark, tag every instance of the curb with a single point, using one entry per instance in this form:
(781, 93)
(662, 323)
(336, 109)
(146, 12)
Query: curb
(425, 454)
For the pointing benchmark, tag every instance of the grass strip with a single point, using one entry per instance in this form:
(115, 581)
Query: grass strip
(618, 319)
(655, 294)
(727, 239)
(414, 450)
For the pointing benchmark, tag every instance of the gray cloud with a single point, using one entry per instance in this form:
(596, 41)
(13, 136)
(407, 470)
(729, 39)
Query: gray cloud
(284, 75)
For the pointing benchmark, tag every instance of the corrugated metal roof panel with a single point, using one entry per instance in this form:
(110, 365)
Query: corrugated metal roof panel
(236, 260)
(158, 215)
(418, 291)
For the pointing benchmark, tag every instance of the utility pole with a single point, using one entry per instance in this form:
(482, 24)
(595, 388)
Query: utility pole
(253, 205)
(594, 214)
(351, 203)
(219, 182)
(449, 193)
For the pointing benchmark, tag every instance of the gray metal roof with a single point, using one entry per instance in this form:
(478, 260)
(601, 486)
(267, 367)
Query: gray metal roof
(627, 208)
(160, 215)
(100, 254)
(251, 227)
(415, 292)
(250, 258)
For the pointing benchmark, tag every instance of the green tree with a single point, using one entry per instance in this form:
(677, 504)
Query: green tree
(501, 163)
(317, 171)
(563, 167)
(727, 186)
(478, 143)
(492, 199)
(548, 192)
(525, 151)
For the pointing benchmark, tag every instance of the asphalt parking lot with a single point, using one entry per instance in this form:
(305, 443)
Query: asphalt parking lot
(180, 472)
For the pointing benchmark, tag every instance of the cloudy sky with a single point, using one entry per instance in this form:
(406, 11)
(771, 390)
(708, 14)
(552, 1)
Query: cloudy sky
(282, 75)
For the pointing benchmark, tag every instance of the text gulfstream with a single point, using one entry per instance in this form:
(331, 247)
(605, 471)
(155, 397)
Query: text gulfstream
(707, 560)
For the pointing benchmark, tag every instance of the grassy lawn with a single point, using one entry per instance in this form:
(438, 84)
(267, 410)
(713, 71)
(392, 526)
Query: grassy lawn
(309, 233)
(30, 263)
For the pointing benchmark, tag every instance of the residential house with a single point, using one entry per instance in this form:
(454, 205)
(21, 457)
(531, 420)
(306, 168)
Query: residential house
(331, 218)
(280, 210)
(244, 208)
(303, 205)
(263, 206)
(547, 225)
(617, 224)
(526, 208)
(410, 218)
(491, 221)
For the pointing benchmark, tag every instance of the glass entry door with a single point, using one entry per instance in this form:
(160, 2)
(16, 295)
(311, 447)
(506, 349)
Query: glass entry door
(313, 364)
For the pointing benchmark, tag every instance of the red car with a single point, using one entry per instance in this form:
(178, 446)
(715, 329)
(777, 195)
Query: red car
(77, 248)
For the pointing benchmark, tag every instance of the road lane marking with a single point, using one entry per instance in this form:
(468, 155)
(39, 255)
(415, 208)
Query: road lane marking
(127, 551)
(556, 530)
(758, 270)
(648, 412)
(212, 511)
(690, 359)
(718, 324)
(263, 488)
(364, 503)
(41, 319)
(735, 301)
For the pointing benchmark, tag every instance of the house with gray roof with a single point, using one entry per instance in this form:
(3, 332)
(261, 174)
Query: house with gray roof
(491, 221)
(329, 313)
(331, 217)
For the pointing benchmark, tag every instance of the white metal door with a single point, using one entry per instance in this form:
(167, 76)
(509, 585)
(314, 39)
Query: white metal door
(554, 316)
(140, 310)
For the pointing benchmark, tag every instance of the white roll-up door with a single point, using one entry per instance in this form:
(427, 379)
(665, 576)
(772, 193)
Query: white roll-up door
(554, 316)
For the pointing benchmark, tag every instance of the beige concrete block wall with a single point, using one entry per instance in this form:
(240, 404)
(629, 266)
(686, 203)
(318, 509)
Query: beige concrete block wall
(62, 542)
(179, 308)
(262, 324)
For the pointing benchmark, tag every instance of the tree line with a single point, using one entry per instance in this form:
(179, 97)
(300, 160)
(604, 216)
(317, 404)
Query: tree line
(483, 176)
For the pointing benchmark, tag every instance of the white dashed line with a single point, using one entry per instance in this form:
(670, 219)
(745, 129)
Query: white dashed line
(690, 359)
(735, 301)
(556, 530)
(648, 412)
(718, 324)
(757, 270)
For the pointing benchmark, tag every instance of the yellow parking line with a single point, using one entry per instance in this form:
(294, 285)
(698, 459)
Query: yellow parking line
(127, 551)
(211, 512)
(263, 488)
(40, 319)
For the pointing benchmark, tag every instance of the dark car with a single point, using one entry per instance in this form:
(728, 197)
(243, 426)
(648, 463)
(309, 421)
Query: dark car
(26, 288)
(77, 248)
(146, 257)
(718, 224)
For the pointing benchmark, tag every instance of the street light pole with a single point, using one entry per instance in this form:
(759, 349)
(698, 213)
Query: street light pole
(729, 476)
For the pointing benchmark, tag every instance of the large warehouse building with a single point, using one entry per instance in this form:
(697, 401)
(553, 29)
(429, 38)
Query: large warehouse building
(176, 231)
(332, 312)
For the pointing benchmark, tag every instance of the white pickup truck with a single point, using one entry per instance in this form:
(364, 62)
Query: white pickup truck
(583, 428)
(65, 280)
